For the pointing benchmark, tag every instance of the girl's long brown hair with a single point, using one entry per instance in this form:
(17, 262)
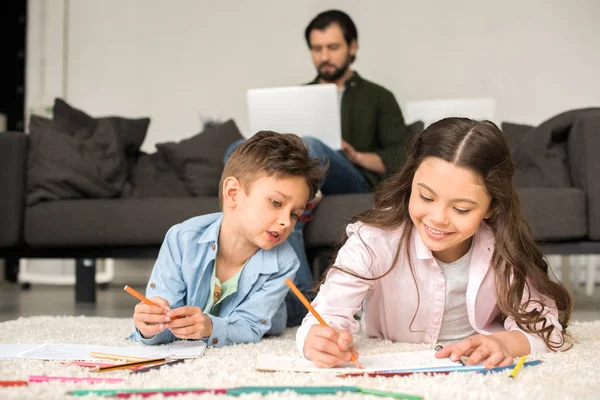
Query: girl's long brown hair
(517, 261)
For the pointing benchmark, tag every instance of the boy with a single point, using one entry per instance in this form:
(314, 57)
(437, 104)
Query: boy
(221, 277)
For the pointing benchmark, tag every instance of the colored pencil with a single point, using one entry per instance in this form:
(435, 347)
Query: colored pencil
(394, 395)
(115, 367)
(141, 297)
(263, 390)
(436, 370)
(115, 357)
(314, 312)
(156, 366)
(42, 378)
(12, 383)
(173, 392)
(85, 364)
(140, 391)
(517, 367)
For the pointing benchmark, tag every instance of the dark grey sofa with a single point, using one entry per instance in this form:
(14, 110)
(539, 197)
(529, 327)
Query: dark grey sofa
(565, 217)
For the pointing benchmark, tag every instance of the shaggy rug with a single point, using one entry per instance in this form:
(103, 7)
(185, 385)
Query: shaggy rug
(569, 375)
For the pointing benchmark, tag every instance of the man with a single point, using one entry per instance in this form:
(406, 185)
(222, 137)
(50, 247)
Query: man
(373, 130)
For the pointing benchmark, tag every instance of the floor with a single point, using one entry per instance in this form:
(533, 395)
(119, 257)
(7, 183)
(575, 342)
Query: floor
(115, 302)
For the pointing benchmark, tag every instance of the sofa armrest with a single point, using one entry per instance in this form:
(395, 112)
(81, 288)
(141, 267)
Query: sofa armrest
(13, 163)
(584, 164)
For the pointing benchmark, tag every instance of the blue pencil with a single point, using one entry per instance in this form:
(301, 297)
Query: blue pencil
(466, 368)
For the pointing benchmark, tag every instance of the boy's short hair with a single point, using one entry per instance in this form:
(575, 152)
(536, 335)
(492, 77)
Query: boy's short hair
(272, 154)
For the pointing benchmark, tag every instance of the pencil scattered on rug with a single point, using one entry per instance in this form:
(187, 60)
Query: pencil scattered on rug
(568, 375)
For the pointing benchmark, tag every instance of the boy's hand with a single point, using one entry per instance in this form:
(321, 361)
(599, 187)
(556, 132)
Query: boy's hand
(479, 348)
(189, 323)
(150, 319)
(328, 347)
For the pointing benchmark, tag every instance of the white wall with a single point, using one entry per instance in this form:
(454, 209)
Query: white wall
(179, 62)
(46, 54)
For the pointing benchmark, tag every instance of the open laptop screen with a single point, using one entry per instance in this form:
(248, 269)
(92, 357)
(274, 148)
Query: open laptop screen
(309, 110)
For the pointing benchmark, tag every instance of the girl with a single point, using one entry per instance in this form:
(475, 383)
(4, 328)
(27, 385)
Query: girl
(443, 255)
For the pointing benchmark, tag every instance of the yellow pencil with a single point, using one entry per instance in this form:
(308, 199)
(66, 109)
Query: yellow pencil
(115, 357)
(517, 367)
(314, 312)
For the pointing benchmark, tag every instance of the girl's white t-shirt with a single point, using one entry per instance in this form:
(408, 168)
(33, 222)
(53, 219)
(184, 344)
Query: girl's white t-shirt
(455, 322)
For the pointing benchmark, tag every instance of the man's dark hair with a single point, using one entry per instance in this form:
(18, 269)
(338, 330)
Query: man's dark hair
(326, 18)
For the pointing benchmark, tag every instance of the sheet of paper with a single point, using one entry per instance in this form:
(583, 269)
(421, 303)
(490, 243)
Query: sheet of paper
(371, 363)
(82, 351)
(10, 351)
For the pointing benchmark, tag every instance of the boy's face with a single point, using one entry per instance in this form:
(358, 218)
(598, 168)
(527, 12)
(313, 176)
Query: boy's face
(447, 204)
(268, 212)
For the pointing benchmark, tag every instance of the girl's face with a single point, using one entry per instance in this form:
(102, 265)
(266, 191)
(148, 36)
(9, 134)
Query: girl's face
(447, 204)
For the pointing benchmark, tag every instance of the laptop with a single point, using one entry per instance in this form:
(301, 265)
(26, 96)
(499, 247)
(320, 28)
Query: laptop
(308, 110)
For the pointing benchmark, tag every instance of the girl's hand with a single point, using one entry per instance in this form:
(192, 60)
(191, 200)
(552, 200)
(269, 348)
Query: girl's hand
(488, 349)
(328, 347)
(150, 319)
(189, 323)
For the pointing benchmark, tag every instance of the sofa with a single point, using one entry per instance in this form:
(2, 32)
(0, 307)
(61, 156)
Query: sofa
(558, 183)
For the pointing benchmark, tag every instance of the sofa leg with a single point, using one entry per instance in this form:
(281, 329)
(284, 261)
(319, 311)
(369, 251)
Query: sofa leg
(85, 280)
(11, 269)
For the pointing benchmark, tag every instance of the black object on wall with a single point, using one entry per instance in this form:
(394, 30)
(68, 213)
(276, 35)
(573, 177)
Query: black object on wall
(13, 20)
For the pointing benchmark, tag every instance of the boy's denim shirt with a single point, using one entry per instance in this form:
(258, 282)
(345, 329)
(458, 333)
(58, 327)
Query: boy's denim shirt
(182, 275)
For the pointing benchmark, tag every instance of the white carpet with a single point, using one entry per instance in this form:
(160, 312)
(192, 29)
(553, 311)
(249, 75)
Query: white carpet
(571, 375)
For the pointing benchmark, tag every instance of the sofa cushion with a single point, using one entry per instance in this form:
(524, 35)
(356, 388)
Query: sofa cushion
(541, 155)
(555, 213)
(198, 160)
(332, 215)
(131, 131)
(514, 133)
(583, 147)
(86, 163)
(152, 176)
(416, 127)
(115, 222)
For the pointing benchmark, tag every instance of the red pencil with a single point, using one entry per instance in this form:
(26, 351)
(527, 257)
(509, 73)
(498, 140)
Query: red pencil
(169, 392)
(13, 383)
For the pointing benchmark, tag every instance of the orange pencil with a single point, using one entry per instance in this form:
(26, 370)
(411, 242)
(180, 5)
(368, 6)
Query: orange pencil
(314, 312)
(141, 297)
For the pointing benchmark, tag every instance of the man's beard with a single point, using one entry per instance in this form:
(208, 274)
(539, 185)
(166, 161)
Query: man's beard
(336, 74)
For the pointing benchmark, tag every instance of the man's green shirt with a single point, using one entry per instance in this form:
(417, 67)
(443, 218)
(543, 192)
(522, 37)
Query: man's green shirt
(372, 122)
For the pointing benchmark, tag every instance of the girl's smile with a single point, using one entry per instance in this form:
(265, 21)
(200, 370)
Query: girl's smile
(447, 204)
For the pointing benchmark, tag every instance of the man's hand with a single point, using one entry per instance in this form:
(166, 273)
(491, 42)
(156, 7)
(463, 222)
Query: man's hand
(497, 350)
(150, 319)
(189, 323)
(370, 161)
(328, 347)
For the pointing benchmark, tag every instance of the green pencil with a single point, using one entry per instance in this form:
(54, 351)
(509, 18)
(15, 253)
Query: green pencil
(254, 389)
(394, 395)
